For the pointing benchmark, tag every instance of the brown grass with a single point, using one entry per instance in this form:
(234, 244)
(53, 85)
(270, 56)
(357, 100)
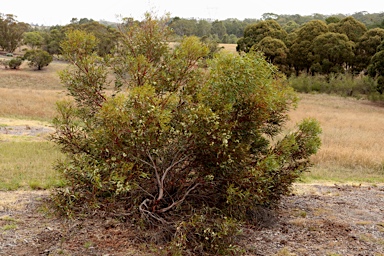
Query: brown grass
(29, 103)
(27, 93)
(229, 47)
(352, 140)
(28, 78)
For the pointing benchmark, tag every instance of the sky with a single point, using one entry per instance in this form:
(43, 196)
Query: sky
(50, 12)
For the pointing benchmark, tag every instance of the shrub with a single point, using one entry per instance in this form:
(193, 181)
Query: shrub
(14, 63)
(175, 140)
(338, 84)
(38, 58)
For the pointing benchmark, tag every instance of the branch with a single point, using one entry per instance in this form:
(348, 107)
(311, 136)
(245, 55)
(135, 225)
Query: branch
(179, 201)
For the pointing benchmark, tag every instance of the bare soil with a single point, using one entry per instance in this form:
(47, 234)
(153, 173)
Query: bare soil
(315, 220)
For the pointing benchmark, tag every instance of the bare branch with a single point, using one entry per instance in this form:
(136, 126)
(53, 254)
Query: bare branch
(179, 201)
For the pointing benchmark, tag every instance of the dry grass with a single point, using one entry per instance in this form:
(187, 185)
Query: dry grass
(29, 103)
(26, 93)
(229, 47)
(28, 78)
(352, 140)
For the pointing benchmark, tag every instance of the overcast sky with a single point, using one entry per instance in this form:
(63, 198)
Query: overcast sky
(51, 12)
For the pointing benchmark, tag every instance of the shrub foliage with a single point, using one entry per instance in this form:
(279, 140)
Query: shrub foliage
(177, 144)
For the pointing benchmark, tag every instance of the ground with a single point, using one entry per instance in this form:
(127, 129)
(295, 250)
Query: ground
(315, 220)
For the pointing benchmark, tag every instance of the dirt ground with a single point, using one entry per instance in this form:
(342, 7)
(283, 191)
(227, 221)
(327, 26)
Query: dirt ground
(315, 220)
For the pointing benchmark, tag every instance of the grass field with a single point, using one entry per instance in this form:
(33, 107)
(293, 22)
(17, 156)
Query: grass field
(352, 141)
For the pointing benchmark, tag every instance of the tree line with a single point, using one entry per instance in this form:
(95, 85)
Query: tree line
(333, 46)
(314, 44)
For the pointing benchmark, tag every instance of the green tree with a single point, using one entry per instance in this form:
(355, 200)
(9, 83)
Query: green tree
(177, 145)
(332, 19)
(184, 27)
(11, 32)
(254, 33)
(349, 26)
(218, 29)
(366, 48)
(234, 27)
(301, 55)
(34, 39)
(203, 28)
(291, 26)
(274, 50)
(53, 38)
(376, 67)
(38, 58)
(332, 51)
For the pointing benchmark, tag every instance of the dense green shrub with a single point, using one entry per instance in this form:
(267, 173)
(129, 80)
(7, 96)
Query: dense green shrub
(176, 141)
(338, 84)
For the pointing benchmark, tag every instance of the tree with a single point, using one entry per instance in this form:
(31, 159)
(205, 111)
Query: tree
(184, 27)
(376, 67)
(34, 39)
(301, 55)
(203, 28)
(349, 26)
(11, 32)
(332, 51)
(366, 47)
(218, 29)
(254, 33)
(52, 40)
(177, 145)
(38, 58)
(274, 50)
(332, 19)
(291, 26)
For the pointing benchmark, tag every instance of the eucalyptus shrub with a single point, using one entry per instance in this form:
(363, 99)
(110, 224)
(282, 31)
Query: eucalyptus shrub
(176, 142)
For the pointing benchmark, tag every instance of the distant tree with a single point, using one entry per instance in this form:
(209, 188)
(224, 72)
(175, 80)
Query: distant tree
(332, 19)
(291, 26)
(301, 55)
(232, 39)
(274, 50)
(38, 58)
(269, 16)
(34, 39)
(234, 27)
(184, 27)
(254, 33)
(349, 26)
(11, 32)
(376, 67)
(52, 40)
(332, 51)
(367, 47)
(203, 28)
(218, 29)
